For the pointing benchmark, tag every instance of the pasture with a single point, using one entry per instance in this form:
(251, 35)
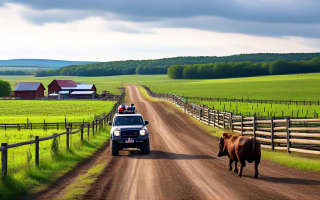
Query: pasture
(279, 87)
(36, 111)
(266, 110)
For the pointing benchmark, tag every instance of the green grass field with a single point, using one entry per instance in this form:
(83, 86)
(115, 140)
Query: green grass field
(280, 87)
(18, 111)
(266, 110)
(32, 179)
(37, 111)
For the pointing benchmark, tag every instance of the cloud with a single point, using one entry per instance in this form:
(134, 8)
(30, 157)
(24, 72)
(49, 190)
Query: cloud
(273, 11)
(255, 17)
(223, 25)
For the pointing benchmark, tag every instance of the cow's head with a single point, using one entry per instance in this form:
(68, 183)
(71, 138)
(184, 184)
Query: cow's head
(222, 144)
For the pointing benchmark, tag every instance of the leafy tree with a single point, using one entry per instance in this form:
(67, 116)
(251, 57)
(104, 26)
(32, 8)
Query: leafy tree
(5, 88)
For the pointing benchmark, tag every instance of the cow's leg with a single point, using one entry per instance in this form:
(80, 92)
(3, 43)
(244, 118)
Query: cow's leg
(235, 166)
(242, 165)
(230, 164)
(256, 172)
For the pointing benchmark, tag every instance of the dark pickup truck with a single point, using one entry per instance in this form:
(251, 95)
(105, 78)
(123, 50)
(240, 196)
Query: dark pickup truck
(129, 131)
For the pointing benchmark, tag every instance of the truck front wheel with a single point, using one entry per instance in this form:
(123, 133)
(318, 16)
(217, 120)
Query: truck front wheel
(114, 148)
(146, 147)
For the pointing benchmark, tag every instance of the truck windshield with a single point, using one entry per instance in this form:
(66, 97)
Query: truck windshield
(129, 120)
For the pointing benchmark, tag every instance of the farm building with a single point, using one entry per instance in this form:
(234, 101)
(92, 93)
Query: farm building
(29, 90)
(65, 89)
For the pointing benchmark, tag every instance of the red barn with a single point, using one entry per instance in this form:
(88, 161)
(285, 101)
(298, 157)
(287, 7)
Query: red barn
(56, 85)
(29, 90)
(65, 89)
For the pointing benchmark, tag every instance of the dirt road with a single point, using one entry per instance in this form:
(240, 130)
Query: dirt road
(183, 165)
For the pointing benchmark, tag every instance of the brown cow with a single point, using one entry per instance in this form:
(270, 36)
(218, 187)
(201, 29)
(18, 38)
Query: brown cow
(240, 149)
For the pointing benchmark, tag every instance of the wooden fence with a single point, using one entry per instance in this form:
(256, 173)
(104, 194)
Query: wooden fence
(45, 126)
(95, 126)
(291, 135)
(259, 101)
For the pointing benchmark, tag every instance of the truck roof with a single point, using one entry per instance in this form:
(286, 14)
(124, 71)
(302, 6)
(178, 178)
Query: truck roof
(136, 114)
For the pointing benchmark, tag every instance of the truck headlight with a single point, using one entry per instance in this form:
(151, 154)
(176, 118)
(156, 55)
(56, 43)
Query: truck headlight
(143, 132)
(116, 133)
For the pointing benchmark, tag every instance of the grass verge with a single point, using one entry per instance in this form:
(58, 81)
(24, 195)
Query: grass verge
(294, 160)
(32, 180)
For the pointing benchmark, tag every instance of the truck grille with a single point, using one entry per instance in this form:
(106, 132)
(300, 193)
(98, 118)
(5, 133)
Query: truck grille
(130, 134)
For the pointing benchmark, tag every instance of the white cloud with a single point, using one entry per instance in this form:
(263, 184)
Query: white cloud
(97, 38)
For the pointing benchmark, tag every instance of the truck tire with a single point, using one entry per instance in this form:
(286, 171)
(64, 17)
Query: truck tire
(114, 148)
(146, 147)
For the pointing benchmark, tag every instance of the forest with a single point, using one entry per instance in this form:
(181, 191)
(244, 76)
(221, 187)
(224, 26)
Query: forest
(160, 66)
(243, 69)
(16, 72)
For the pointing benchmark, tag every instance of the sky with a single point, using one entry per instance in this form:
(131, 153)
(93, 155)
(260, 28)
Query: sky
(109, 30)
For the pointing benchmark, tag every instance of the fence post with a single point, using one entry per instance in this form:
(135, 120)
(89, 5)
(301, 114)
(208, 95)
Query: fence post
(88, 130)
(92, 127)
(231, 121)
(241, 125)
(67, 139)
(272, 134)
(254, 126)
(288, 134)
(81, 132)
(214, 119)
(218, 118)
(4, 159)
(208, 113)
(224, 126)
(37, 155)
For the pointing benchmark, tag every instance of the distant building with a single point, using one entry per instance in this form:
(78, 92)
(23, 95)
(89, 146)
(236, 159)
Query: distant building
(29, 90)
(65, 89)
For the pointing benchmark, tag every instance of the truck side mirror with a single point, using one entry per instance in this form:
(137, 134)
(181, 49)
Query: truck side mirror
(109, 123)
(146, 122)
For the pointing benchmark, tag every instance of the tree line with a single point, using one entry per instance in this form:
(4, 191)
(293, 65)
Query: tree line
(16, 72)
(243, 69)
(5, 88)
(160, 66)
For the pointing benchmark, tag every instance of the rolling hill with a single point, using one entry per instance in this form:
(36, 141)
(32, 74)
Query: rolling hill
(40, 63)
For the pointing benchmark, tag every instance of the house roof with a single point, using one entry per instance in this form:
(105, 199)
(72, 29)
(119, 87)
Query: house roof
(79, 87)
(28, 86)
(64, 92)
(82, 92)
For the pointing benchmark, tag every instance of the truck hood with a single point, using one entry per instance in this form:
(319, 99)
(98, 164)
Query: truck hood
(129, 127)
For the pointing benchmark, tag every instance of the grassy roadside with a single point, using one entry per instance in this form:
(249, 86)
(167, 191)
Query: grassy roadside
(32, 180)
(295, 160)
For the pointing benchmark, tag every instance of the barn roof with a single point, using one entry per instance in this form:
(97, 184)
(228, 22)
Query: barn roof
(66, 83)
(28, 86)
(79, 87)
(82, 92)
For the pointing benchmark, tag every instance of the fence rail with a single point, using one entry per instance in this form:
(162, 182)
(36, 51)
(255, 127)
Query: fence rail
(96, 125)
(291, 135)
(45, 126)
(261, 101)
